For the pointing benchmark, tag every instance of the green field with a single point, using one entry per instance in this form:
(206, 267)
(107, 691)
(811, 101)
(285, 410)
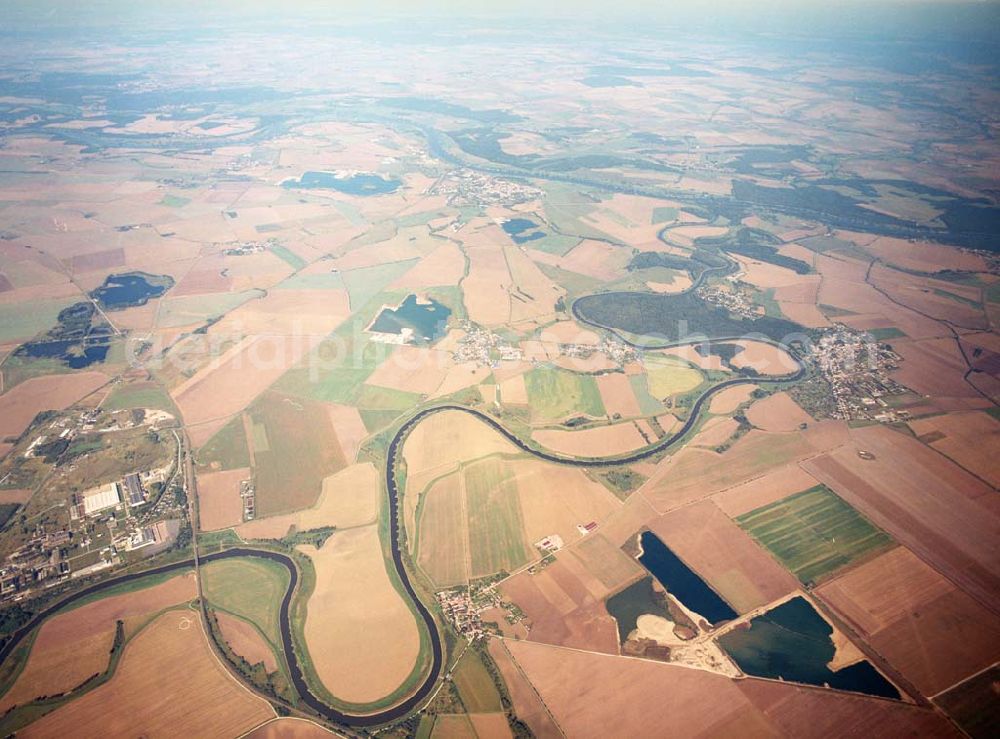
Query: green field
(647, 403)
(140, 395)
(475, 686)
(373, 397)
(365, 283)
(174, 201)
(565, 207)
(227, 449)
(288, 256)
(192, 309)
(27, 318)
(554, 394)
(248, 587)
(18, 369)
(813, 533)
(554, 243)
(668, 376)
(376, 420)
(441, 543)
(574, 283)
(958, 298)
(884, 334)
(495, 522)
(321, 281)
(665, 215)
(338, 367)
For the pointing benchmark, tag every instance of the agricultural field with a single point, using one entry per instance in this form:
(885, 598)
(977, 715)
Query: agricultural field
(973, 704)
(667, 376)
(443, 549)
(349, 498)
(495, 519)
(75, 644)
(219, 503)
(697, 702)
(206, 700)
(244, 639)
(948, 526)
(484, 519)
(247, 588)
(928, 629)
(289, 467)
(475, 686)
(555, 394)
(814, 533)
(401, 323)
(353, 607)
(725, 557)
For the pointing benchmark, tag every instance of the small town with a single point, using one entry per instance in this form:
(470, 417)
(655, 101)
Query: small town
(484, 347)
(466, 187)
(617, 351)
(857, 368)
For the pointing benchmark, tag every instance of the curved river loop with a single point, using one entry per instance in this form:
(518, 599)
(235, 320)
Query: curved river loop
(434, 673)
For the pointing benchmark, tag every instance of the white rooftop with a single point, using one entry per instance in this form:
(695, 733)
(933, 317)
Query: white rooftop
(102, 498)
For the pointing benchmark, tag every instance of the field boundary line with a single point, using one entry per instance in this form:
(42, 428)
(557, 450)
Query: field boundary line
(964, 680)
(225, 667)
(541, 701)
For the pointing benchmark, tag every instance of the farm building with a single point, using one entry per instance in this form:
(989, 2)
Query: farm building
(102, 498)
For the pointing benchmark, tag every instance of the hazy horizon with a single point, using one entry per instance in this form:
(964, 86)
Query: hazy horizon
(888, 19)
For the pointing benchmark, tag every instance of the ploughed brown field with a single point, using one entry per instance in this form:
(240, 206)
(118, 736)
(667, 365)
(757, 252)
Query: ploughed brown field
(203, 699)
(924, 626)
(20, 404)
(290, 728)
(74, 645)
(689, 702)
(246, 641)
(724, 556)
(942, 513)
(565, 601)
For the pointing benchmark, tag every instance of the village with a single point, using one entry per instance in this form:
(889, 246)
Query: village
(465, 608)
(736, 301)
(857, 368)
(484, 347)
(466, 187)
(489, 349)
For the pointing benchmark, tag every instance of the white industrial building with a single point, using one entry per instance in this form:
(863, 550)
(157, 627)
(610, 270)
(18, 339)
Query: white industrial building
(102, 498)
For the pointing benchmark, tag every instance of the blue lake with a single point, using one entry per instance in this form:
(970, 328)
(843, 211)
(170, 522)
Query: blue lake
(681, 582)
(427, 319)
(793, 642)
(356, 184)
(76, 341)
(522, 230)
(130, 289)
